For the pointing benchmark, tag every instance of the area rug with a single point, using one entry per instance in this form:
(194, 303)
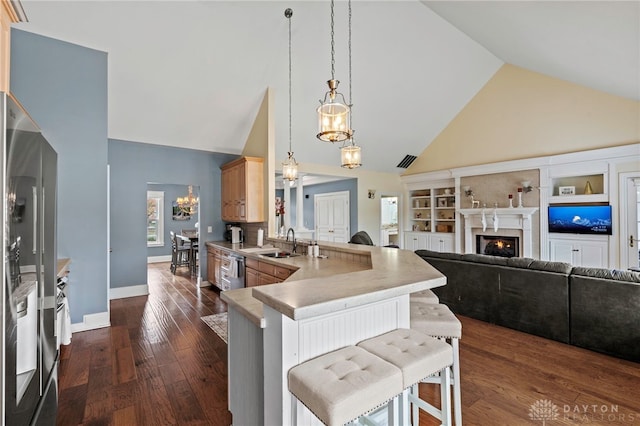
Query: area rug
(218, 323)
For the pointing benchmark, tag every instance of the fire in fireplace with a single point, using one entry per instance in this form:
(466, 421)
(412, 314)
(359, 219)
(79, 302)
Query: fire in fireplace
(497, 245)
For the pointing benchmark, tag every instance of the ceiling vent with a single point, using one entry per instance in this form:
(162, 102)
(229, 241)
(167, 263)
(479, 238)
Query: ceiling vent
(406, 161)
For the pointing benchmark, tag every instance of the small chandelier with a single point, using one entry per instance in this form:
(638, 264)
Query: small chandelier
(189, 203)
(289, 166)
(334, 117)
(350, 153)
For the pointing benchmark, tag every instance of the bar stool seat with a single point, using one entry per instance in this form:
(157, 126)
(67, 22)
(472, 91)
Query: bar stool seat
(342, 385)
(437, 320)
(418, 356)
(424, 296)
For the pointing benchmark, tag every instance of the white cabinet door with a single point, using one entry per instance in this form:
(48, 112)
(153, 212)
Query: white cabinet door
(561, 251)
(594, 254)
(416, 241)
(580, 252)
(441, 242)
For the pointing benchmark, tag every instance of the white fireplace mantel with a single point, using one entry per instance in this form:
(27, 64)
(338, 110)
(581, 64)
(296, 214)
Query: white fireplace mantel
(508, 218)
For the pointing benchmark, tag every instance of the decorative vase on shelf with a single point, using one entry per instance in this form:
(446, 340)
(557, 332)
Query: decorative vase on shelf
(588, 189)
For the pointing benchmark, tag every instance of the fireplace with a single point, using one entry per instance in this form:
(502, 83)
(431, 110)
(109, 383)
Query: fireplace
(498, 245)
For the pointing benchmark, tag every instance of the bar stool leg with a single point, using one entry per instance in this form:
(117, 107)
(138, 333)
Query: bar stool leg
(457, 402)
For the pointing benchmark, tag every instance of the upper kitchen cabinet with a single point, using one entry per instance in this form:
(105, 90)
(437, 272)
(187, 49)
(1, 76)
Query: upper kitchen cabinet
(243, 190)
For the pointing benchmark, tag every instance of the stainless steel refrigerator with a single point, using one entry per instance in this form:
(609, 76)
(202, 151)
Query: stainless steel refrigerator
(28, 323)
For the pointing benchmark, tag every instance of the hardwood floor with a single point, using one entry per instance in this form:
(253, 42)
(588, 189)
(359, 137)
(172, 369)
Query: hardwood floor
(159, 364)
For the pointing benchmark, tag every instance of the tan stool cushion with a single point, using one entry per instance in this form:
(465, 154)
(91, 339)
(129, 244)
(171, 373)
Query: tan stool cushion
(342, 385)
(415, 353)
(436, 320)
(425, 296)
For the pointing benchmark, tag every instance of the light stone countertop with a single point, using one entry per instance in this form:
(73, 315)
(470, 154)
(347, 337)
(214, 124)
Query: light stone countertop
(322, 286)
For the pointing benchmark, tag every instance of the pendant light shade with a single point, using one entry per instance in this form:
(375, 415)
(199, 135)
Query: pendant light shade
(351, 156)
(290, 168)
(334, 114)
(290, 165)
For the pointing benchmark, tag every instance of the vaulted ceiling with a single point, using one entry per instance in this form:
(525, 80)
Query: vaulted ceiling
(194, 73)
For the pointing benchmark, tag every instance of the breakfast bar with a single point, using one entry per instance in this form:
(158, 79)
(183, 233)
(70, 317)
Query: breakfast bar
(325, 305)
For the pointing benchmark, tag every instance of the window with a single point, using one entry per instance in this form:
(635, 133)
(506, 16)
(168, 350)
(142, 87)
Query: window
(155, 218)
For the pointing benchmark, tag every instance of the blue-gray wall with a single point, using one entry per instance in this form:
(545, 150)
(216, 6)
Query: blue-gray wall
(133, 166)
(350, 185)
(64, 88)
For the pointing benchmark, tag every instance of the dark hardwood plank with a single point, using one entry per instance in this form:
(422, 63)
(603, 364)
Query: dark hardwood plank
(159, 364)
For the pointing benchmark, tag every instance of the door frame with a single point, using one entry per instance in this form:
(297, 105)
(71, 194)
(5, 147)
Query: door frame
(626, 202)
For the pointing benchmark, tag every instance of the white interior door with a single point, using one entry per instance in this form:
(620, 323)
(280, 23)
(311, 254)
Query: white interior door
(332, 217)
(630, 232)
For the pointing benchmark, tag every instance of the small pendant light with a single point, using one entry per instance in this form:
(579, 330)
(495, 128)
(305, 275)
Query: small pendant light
(289, 166)
(350, 153)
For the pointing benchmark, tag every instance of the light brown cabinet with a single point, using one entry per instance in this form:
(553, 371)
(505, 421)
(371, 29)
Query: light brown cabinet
(243, 190)
(215, 257)
(262, 273)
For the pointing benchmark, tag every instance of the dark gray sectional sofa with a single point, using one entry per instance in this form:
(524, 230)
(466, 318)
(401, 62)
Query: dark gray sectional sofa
(594, 308)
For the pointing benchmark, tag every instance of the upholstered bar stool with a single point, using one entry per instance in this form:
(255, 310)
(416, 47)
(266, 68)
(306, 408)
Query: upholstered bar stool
(418, 356)
(437, 320)
(424, 296)
(340, 386)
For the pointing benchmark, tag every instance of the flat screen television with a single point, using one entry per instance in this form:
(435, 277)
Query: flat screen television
(582, 219)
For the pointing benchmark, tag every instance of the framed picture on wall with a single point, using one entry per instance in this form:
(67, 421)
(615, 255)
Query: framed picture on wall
(180, 213)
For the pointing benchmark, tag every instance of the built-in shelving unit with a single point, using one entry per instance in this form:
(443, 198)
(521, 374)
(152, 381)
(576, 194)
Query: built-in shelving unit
(432, 219)
(577, 188)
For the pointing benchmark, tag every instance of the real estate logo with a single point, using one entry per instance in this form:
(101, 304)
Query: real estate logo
(543, 410)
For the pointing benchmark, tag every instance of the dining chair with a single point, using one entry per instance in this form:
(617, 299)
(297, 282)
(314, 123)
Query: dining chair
(180, 255)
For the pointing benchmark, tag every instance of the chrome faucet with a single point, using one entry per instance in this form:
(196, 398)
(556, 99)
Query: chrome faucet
(295, 245)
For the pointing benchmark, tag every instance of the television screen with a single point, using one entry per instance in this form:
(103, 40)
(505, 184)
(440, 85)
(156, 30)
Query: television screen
(585, 219)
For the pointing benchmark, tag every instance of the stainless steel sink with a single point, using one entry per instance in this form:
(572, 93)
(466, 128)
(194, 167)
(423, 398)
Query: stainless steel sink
(280, 254)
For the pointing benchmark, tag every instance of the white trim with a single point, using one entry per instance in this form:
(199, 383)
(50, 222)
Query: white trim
(508, 218)
(92, 322)
(159, 259)
(129, 291)
(613, 154)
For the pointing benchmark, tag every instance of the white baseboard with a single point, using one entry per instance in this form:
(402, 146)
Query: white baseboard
(159, 259)
(92, 322)
(129, 291)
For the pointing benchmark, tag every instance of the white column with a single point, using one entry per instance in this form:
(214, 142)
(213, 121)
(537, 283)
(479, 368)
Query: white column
(287, 205)
(300, 202)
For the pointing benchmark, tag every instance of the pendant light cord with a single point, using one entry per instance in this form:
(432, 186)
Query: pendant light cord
(289, 17)
(350, 101)
(333, 47)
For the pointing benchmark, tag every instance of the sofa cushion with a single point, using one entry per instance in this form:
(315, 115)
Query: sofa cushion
(607, 274)
(604, 313)
(485, 258)
(438, 255)
(559, 267)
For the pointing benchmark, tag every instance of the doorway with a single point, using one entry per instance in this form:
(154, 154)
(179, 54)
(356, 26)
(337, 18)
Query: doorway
(389, 220)
(629, 221)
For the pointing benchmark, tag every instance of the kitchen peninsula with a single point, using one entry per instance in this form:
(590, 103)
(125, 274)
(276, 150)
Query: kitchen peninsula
(355, 293)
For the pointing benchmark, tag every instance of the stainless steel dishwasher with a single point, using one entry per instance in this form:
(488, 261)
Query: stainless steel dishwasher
(233, 275)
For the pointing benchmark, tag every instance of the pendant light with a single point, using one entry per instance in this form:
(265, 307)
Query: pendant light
(334, 117)
(350, 153)
(289, 166)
